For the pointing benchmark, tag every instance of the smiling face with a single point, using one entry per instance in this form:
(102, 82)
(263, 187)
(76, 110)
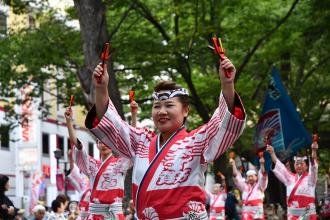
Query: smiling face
(300, 167)
(252, 179)
(216, 188)
(40, 214)
(168, 115)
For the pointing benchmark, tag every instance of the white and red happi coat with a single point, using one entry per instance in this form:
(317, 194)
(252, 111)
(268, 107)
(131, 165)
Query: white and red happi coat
(81, 184)
(168, 180)
(217, 205)
(107, 184)
(300, 190)
(252, 196)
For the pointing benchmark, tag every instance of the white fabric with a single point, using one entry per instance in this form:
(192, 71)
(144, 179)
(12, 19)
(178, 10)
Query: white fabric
(289, 179)
(251, 172)
(39, 208)
(186, 161)
(258, 191)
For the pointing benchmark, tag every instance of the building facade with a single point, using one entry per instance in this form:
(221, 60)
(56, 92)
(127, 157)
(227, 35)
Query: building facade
(28, 149)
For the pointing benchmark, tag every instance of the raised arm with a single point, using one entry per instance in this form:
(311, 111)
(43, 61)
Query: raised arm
(227, 122)
(109, 127)
(237, 177)
(271, 151)
(134, 109)
(313, 168)
(280, 171)
(71, 160)
(69, 123)
(262, 175)
(100, 81)
(86, 164)
(227, 84)
(223, 180)
(314, 147)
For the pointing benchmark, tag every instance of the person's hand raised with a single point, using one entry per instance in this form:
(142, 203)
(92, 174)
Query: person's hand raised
(101, 76)
(227, 65)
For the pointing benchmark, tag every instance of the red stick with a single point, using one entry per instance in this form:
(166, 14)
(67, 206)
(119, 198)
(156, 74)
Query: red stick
(104, 57)
(71, 101)
(131, 95)
(260, 154)
(105, 53)
(220, 51)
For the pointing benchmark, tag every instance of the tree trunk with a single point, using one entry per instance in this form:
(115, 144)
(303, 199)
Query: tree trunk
(94, 34)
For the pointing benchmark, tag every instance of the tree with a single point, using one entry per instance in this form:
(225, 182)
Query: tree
(153, 40)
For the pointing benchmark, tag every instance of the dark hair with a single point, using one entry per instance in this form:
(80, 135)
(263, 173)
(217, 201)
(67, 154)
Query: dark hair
(56, 205)
(3, 181)
(169, 85)
(62, 198)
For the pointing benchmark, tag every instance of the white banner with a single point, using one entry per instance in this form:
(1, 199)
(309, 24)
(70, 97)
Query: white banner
(28, 158)
(29, 118)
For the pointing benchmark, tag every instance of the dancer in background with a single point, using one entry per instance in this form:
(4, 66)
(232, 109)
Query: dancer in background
(81, 184)
(300, 186)
(217, 200)
(252, 190)
(106, 176)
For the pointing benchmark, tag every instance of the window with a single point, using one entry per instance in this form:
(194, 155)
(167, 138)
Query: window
(4, 134)
(69, 143)
(3, 23)
(91, 149)
(45, 143)
(60, 143)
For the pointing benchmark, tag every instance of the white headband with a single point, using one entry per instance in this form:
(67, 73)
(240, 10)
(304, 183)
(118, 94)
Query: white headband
(299, 158)
(251, 172)
(163, 95)
(39, 208)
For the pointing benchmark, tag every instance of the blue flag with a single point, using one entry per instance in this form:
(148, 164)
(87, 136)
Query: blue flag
(280, 122)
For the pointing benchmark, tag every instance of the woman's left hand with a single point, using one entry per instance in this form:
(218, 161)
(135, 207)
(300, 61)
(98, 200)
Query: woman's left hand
(226, 65)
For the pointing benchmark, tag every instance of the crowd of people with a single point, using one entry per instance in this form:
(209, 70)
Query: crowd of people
(168, 178)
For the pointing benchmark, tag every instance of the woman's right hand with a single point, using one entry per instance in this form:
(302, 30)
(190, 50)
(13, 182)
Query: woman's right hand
(101, 76)
(231, 162)
(134, 106)
(70, 155)
(270, 149)
(262, 160)
(68, 113)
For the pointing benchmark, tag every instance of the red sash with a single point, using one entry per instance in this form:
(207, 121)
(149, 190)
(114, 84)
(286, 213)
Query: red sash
(250, 193)
(84, 203)
(215, 200)
(296, 187)
(141, 197)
